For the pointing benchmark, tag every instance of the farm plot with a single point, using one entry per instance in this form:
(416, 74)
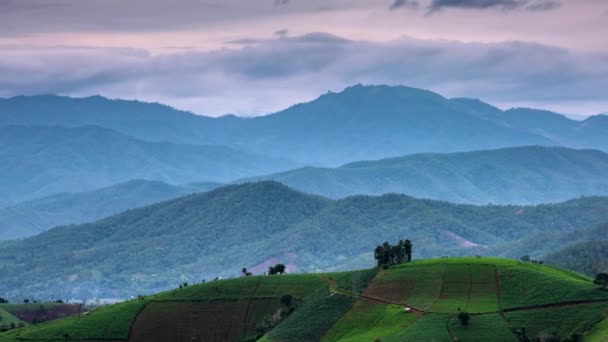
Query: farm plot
(560, 321)
(527, 284)
(200, 321)
(490, 327)
(311, 320)
(41, 312)
(7, 320)
(469, 287)
(599, 333)
(417, 286)
(367, 321)
(431, 327)
(298, 285)
(106, 323)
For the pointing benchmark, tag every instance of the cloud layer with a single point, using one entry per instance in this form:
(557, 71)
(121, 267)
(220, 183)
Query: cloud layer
(262, 75)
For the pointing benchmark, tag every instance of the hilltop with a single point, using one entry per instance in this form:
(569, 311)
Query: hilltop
(504, 299)
(516, 175)
(201, 236)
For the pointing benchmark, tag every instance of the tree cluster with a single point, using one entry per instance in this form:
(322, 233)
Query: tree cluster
(277, 269)
(526, 258)
(601, 279)
(387, 254)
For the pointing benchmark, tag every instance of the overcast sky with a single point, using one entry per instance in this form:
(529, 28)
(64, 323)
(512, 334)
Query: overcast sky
(251, 57)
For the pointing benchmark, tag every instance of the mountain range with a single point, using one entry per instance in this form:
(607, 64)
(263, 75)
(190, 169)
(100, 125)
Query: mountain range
(216, 233)
(359, 123)
(517, 175)
(38, 161)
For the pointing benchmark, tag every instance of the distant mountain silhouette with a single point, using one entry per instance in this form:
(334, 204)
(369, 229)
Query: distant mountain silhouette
(359, 123)
(38, 161)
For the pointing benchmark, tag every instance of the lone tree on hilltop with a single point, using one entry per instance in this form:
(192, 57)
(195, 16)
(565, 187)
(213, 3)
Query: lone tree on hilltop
(245, 272)
(601, 279)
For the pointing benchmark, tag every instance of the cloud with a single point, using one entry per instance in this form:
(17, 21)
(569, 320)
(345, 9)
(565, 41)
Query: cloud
(264, 75)
(281, 33)
(281, 2)
(532, 5)
(544, 6)
(404, 4)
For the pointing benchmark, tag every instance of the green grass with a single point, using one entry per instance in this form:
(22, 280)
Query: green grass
(311, 320)
(110, 322)
(329, 307)
(7, 320)
(562, 321)
(353, 282)
(599, 333)
(527, 284)
(431, 327)
(491, 327)
(367, 321)
(298, 285)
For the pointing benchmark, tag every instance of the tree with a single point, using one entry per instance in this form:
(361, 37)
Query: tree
(3, 300)
(408, 250)
(276, 269)
(26, 301)
(601, 279)
(464, 318)
(525, 258)
(287, 300)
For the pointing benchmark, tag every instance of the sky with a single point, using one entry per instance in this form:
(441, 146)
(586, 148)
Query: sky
(253, 57)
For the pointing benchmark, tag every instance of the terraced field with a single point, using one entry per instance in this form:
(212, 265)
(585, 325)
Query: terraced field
(418, 301)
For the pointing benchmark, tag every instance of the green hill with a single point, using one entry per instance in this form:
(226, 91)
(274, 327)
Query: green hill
(519, 175)
(30, 218)
(211, 234)
(504, 299)
(38, 161)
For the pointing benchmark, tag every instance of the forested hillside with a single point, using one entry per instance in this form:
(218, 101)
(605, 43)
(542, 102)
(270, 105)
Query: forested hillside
(217, 233)
(30, 218)
(518, 175)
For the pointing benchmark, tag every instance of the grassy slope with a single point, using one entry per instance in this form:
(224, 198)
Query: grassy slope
(6, 319)
(334, 306)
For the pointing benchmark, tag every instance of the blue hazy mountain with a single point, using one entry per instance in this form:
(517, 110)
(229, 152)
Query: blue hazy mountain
(359, 123)
(30, 218)
(516, 175)
(38, 161)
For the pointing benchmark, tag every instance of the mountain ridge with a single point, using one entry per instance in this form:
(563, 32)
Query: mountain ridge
(359, 123)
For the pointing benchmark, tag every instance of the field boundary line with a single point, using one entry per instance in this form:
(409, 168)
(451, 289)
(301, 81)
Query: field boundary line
(556, 305)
